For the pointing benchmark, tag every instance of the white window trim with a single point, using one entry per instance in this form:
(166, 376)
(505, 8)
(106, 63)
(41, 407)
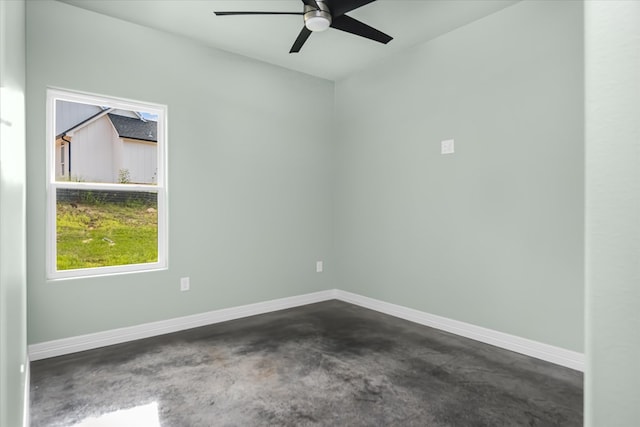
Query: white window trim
(160, 187)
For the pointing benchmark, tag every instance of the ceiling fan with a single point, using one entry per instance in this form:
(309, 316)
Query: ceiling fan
(319, 15)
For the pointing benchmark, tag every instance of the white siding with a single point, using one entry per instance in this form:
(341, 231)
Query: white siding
(140, 159)
(118, 155)
(92, 152)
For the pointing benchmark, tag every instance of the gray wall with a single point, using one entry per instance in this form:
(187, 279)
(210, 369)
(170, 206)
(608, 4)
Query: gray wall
(249, 187)
(493, 234)
(613, 213)
(13, 320)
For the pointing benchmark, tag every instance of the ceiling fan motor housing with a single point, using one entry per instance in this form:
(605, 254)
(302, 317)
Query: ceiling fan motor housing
(317, 19)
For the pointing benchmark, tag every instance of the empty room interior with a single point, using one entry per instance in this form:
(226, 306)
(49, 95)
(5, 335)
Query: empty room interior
(425, 215)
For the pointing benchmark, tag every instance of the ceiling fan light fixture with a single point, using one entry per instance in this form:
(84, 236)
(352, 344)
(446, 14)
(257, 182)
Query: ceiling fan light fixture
(317, 23)
(317, 19)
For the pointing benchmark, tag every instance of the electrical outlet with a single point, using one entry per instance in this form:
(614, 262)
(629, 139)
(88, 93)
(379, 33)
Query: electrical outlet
(319, 266)
(184, 284)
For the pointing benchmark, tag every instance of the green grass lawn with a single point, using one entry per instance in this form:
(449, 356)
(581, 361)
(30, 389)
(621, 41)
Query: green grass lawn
(105, 234)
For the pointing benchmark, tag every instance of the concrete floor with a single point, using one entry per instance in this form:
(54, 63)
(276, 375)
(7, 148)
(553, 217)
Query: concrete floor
(331, 364)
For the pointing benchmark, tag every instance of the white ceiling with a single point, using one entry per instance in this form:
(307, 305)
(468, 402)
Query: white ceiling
(331, 55)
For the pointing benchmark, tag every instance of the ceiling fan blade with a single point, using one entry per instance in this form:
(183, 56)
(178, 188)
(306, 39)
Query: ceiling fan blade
(340, 7)
(302, 37)
(348, 24)
(257, 13)
(311, 3)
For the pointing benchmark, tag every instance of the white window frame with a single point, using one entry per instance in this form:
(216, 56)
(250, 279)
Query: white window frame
(160, 188)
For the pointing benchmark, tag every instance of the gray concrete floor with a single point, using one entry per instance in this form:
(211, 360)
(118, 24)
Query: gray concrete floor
(331, 364)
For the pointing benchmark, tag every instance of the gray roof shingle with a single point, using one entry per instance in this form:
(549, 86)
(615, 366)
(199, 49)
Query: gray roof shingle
(128, 127)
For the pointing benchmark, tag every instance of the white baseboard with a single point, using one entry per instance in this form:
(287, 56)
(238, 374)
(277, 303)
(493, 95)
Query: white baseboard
(69, 345)
(549, 353)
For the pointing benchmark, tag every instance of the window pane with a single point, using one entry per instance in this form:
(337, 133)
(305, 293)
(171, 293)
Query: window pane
(96, 228)
(95, 143)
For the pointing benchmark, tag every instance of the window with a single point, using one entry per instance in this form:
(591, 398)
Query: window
(106, 174)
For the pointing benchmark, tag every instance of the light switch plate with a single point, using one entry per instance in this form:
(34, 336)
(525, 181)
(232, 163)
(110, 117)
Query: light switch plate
(447, 146)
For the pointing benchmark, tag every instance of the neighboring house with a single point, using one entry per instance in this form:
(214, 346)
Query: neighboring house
(98, 144)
